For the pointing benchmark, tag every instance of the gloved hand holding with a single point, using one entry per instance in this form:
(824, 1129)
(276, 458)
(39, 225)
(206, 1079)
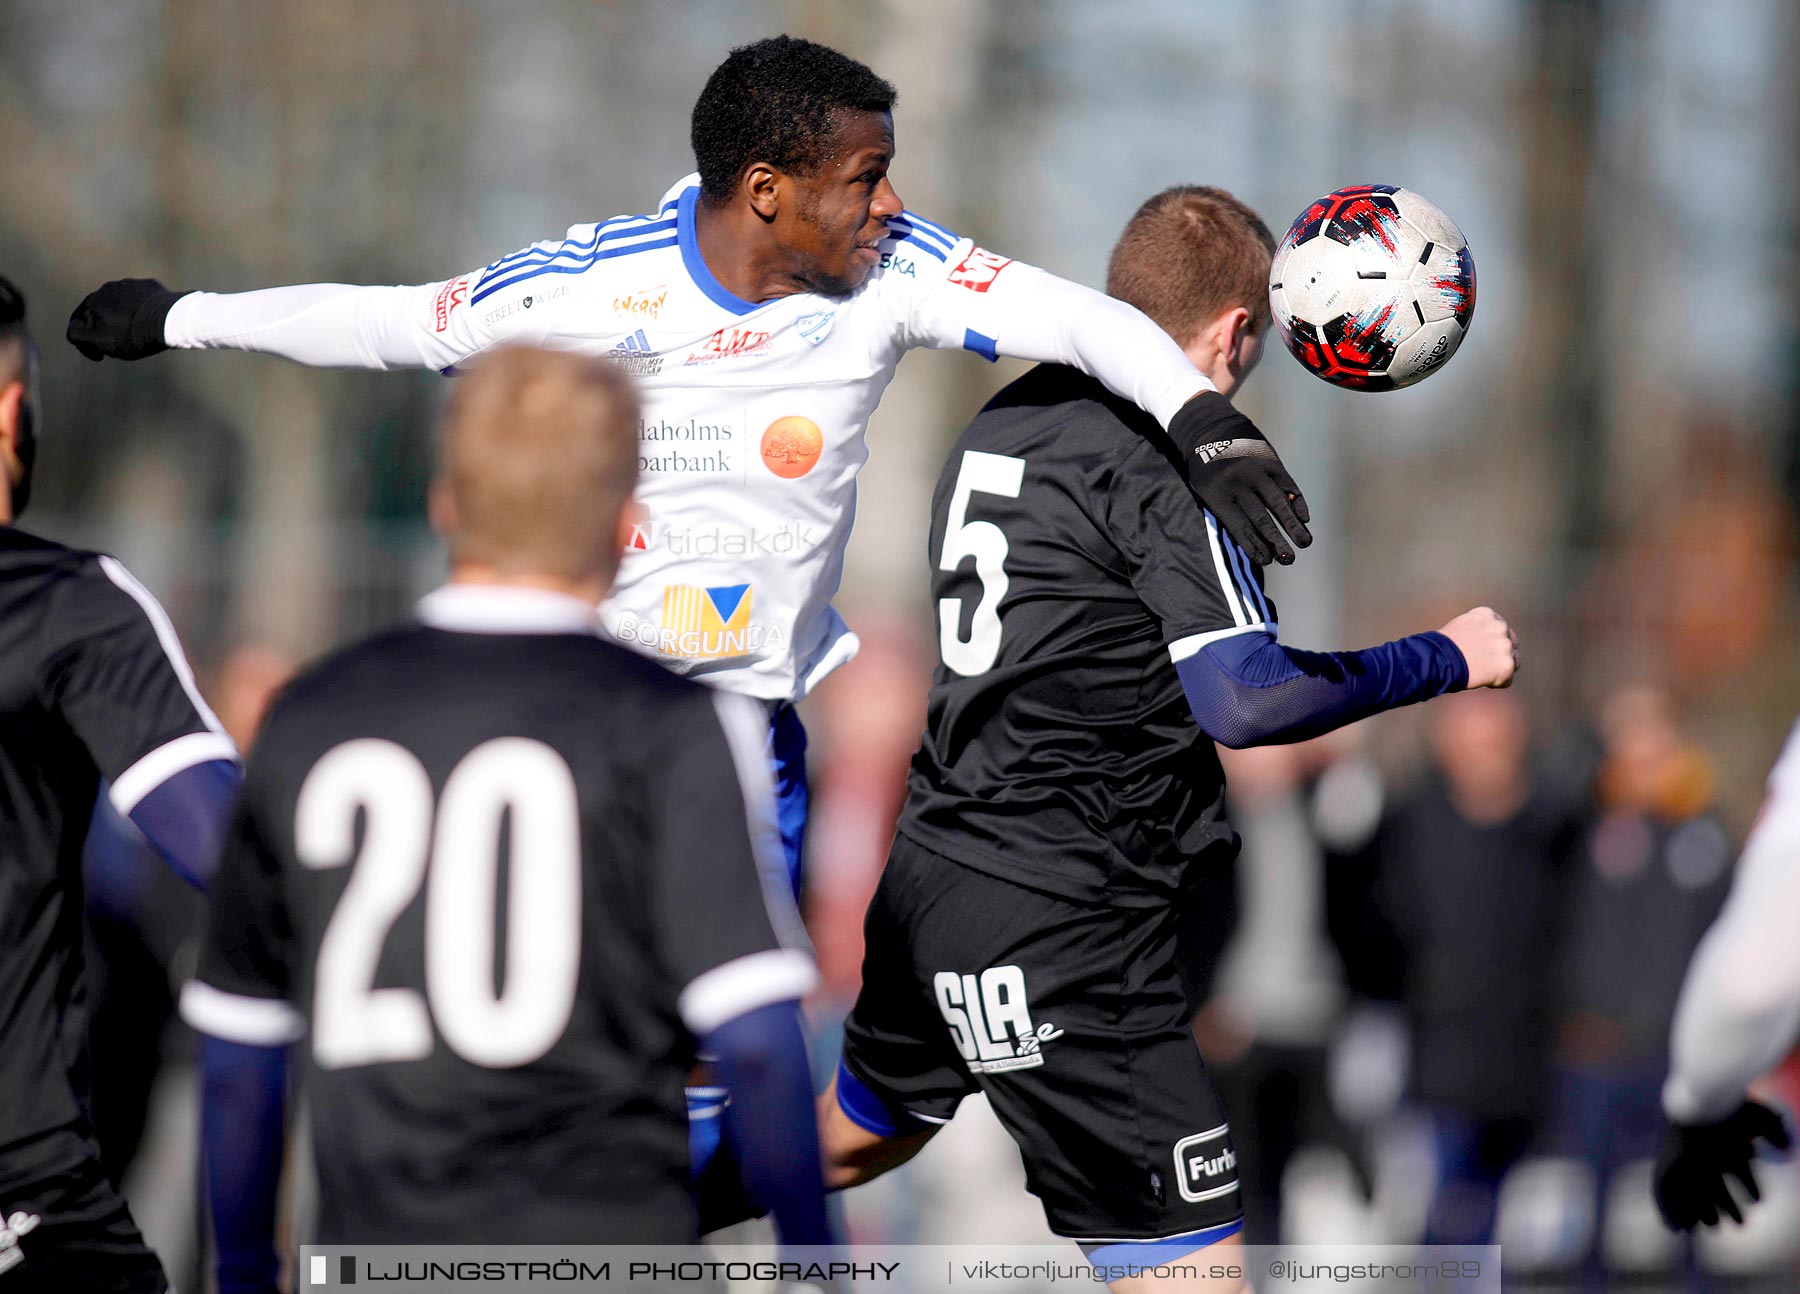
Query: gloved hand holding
(122, 319)
(1240, 478)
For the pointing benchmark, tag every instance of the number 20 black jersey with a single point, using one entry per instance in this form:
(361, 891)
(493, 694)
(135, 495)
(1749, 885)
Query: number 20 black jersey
(1072, 567)
(500, 874)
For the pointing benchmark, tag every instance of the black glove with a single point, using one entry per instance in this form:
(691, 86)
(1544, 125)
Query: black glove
(1697, 1158)
(123, 319)
(1240, 479)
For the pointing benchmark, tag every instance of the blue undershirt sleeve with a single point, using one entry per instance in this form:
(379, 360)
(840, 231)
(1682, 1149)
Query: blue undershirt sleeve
(762, 1061)
(1250, 690)
(243, 1131)
(186, 816)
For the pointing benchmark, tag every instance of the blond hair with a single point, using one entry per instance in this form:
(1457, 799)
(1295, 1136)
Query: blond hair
(1190, 254)
(538, 450)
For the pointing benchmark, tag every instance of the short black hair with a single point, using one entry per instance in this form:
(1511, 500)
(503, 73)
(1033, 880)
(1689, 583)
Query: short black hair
(773, 102)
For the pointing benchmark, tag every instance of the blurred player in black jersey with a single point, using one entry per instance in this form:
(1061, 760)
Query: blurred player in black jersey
(505, 876)
(93, 685)
(1097, 634)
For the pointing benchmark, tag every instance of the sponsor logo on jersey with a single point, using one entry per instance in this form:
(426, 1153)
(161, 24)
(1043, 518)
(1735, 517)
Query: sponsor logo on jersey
(525, 302)
(978, 270)
(791, 446)
(634, 355)
(730, 343)
(1205, 1166)
(785, 539)
(815, 327)
(642, 303)
(690, 447)
(902, 265)
(990, 1019)
(701, 624)
(451, 295)
(17, 1225)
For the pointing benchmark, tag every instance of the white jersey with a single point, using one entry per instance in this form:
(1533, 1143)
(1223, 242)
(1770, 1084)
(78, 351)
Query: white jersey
(1739, 1011)
(754, 414)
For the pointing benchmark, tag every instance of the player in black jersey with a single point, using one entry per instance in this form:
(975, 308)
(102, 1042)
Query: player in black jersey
(1097, 634)
(505, 877)
(93, 685)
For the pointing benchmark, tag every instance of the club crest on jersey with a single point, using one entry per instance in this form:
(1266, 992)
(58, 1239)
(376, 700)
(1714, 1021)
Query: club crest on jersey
(729, 343)
(1205, 1165)
(451, 295)
(815, 327)
(17, 1224)
(990, 1019)
(978, 270)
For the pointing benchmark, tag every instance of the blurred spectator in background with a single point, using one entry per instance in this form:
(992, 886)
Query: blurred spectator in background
(1473, 868)
(1654, 869)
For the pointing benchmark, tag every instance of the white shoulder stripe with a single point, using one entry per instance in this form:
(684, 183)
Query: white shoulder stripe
(1182, 648)
(234, 1017)
(165, 634)
(1227, 584)
(744, 984)
(168, 759)
(746, 725)
(1247, 586)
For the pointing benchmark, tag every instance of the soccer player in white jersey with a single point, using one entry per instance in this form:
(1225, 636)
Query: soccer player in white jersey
(1738, 1016)
(763, 306)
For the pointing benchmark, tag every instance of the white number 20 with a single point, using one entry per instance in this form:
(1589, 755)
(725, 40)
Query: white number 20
(980, 473)
(355, 1023)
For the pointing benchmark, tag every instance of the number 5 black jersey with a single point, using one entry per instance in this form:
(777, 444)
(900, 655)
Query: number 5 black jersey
(501, 874)
(1072, 568)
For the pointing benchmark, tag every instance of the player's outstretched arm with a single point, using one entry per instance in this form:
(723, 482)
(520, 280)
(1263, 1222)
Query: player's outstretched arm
(324, 325)
(1248, 689)
(1738, 1015)
(1000, 307)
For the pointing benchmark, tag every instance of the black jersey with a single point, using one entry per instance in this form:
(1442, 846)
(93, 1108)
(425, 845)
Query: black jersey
(501, 874)
(93, 684)
(1072, 568)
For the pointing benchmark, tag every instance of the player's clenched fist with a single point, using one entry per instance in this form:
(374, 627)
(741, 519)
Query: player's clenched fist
(1488, 644)
(122, 319)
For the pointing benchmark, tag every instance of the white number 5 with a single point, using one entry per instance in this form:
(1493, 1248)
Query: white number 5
(984, 541)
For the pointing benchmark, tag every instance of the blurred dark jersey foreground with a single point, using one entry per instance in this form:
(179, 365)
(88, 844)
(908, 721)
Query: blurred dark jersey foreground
(1062, 753)
(93, 684)
(499, 873)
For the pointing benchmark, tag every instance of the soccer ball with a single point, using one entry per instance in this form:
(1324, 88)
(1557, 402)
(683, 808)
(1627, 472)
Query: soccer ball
(1373, 287)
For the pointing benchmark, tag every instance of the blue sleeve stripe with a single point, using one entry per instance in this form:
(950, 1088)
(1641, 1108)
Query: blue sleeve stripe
(584, 252)
(922, 245)
(569, 245)
(903, 228)
(950, 240)
(581, 268)
(868, 1110)
(982, 344)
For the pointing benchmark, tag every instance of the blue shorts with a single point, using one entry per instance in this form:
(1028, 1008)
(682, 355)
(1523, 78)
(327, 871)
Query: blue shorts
(787, 752)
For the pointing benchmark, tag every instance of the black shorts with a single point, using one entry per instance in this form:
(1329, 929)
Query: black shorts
(1074, 1022)
(70, 1230)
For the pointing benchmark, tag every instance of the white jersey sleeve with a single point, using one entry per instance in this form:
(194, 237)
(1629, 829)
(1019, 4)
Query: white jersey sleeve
(1739, 1011)
(972, 298)
(430, 325)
